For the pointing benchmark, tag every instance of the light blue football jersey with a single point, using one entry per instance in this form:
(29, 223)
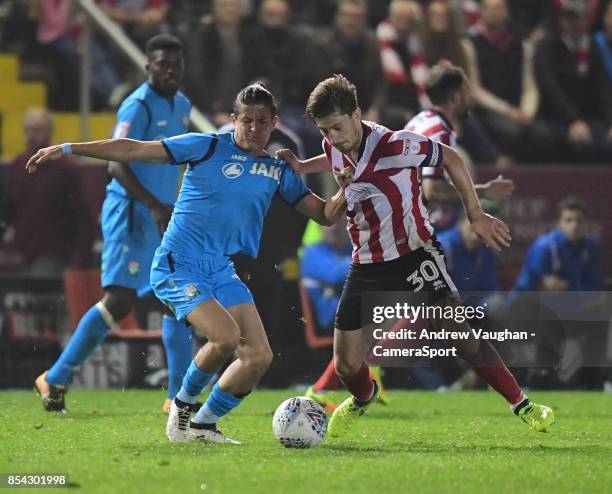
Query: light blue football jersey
(146, 116)
(225, 196)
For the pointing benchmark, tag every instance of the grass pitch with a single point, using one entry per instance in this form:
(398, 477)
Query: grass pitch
(113, 441)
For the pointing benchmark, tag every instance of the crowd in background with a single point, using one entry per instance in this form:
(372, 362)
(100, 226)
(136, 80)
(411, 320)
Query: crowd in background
(540, 72)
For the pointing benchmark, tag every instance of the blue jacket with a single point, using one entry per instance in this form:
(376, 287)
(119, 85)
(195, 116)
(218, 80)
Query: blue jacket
(324, 270)
(470, 270)
(552, 254)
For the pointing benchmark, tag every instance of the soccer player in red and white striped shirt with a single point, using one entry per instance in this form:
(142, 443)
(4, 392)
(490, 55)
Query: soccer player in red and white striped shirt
(448, 90)
(393, 244)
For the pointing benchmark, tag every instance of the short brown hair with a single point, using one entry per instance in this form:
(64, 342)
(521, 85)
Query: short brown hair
(333, 95)
(444, 80)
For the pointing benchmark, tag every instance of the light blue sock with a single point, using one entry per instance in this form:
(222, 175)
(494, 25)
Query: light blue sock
(218, 404)
(89, 334)
(194, 382)
(176, 336)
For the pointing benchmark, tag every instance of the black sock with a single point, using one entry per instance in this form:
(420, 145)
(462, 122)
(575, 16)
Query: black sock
(209, 427)
(521, 405)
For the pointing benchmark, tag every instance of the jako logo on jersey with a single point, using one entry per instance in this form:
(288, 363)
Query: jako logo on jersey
(237, 157)
(269, 171)
(233, 170)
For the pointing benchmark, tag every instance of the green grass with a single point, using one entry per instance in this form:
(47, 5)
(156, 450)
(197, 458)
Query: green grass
(113, 441)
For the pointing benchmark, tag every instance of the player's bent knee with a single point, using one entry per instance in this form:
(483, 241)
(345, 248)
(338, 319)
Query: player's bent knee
(258, 360)
(345, 368)
(228, 343)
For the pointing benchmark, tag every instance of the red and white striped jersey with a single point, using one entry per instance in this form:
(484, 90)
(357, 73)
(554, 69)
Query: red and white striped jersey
(433, 125)
(386, 215)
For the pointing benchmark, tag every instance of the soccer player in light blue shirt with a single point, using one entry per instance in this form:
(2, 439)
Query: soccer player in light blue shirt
(226, 192)
(135, 213)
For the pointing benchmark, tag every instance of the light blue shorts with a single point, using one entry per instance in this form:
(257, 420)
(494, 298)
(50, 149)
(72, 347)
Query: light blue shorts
(182, 283)
(130, 240)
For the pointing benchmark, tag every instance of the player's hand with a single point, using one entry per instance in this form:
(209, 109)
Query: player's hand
(346, 177)
(43, 155)
(579, 132)
(499, 189)
(554, 283)
(161, 216)
(289, 156)
(493, 232)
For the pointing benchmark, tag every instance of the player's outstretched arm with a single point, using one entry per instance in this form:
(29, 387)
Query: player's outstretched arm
(493, 232)
(437, 189)
(325, 213)
(311, 165)
(109, 149)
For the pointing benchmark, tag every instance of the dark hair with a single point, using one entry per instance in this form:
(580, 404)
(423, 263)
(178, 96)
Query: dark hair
(444, 80)
(255, 94)
(333, 95)
(163, 42)
(572, 204)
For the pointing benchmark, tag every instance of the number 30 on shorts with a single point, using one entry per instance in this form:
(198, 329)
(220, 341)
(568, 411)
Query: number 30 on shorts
(427, 271)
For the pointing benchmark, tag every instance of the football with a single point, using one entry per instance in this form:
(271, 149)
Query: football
(299, 422)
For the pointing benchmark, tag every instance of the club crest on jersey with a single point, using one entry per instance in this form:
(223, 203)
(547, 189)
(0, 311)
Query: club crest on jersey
(233, 170)
(191, 291)
(411, 147)
(270, 171)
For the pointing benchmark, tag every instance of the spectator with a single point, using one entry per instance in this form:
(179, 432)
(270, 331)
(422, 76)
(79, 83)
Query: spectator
(58, 32)
(222, 58)
(603, 42)
(293, 64)
(140, 19)
(352, 50)
(501, 73)
(469, 262)
(64, 234)
(442, 39)
(324, 268)
(403, 61)
(573, 88)
(565, 258)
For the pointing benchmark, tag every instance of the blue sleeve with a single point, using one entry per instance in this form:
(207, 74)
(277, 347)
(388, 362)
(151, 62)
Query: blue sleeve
(592, 279)
(537, 265)
(328, 269)
(132, 120)
(291, 188)
(188, 148)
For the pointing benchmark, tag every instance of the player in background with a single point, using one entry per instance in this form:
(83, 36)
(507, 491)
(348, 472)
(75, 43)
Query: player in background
(394, 248)
(226, 192)
(135, 214)
(448, 90)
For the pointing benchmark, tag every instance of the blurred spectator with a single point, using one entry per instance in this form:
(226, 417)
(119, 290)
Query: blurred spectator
(58, 32)
(324, 268)
(501, 73)
(48, 222)
(403, 61)
(221, 58)
(290, 54)
(565, 258)
(574, 88)
(140, 19)
(470, 263)
(603, 42)
(442, 39)
(352, 50)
